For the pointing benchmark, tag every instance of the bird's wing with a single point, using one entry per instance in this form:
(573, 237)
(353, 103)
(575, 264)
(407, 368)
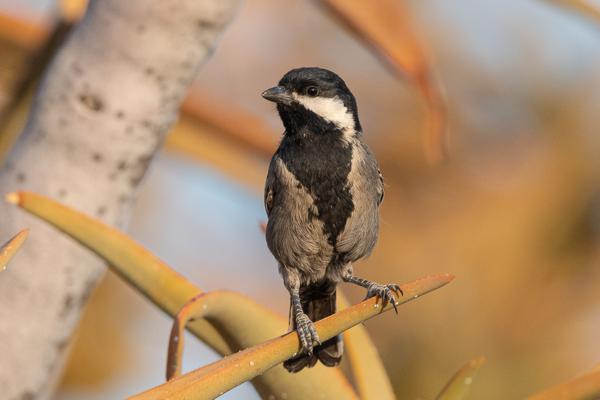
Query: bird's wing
(270, 186)
(380, 189)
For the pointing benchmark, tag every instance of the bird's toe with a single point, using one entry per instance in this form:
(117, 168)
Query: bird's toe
(385, 293)
(307, 334)
(397, 289)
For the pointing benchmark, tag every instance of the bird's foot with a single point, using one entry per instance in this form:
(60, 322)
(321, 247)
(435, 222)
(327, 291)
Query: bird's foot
(306, 333)
(385, 293)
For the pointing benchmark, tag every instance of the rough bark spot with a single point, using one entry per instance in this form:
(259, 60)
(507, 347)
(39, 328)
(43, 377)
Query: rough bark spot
(92, 102)
(204, 24)
(182, 81)
(144, 161)
(101, 211)
(140, 169)
(210, 49)
(51, 365)
(89, 286)
(136, 179)
(77, 69)
(61, 344)
(67, 305)
(27, 395)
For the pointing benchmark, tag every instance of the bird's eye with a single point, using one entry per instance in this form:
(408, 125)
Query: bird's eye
(312, 91)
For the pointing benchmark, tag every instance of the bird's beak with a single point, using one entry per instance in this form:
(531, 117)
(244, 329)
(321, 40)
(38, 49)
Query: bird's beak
(278, 94)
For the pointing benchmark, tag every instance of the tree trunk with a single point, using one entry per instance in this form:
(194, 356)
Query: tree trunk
(106, 103)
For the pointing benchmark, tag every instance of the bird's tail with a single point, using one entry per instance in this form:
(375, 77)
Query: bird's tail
(318, 302)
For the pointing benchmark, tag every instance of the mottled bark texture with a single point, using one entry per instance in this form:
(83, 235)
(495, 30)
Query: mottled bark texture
(106, 103)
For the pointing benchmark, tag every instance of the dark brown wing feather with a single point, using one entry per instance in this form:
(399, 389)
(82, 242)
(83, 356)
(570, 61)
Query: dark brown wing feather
(380, 189)
(270, 187)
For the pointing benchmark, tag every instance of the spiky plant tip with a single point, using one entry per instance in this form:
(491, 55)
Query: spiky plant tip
(10, 248)
(13, 198)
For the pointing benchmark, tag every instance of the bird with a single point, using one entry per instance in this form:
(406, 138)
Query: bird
(322, 196)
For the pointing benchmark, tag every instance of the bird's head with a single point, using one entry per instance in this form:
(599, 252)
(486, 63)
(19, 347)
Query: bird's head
(314, 98)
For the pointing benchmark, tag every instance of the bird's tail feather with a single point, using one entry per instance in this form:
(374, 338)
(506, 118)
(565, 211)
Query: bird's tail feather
(318, 302)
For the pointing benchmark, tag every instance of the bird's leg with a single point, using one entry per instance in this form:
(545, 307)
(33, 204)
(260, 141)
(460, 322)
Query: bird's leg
(384, 292)
(304, 326)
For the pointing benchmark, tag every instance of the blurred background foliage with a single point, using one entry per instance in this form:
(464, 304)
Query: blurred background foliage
(514, 213)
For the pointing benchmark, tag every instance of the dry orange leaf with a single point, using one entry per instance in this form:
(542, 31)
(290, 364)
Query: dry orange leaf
(243, 128)
(460, 384)
(370, 377)
(217, 378)
(10, 248)
(584, 7)
(234, 328)
(385, 26)
(584, 387)
(72, 10)
(22, 32)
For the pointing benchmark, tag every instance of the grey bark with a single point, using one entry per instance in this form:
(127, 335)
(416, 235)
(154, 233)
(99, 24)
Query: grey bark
(107, 101)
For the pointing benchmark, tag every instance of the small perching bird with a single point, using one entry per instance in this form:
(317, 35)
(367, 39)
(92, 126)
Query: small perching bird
(322, 199)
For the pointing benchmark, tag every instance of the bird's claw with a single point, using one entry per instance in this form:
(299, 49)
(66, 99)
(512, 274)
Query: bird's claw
(385, 293)
(307, 333)
(397, 289)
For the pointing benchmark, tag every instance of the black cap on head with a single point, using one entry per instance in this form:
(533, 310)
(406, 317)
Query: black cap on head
(310, 82)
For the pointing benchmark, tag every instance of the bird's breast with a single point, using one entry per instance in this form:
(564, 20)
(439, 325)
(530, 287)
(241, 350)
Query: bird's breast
(322, 166)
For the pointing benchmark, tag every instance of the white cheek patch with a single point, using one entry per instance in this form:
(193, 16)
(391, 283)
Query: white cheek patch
(330, 108)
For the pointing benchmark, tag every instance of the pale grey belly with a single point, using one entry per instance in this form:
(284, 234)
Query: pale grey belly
(298, 242)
